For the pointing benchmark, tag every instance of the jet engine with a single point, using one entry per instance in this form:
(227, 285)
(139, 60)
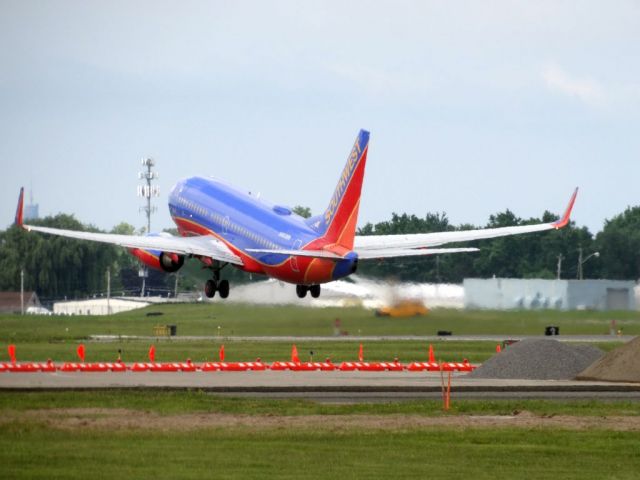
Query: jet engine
(167, 262)
(171, 262)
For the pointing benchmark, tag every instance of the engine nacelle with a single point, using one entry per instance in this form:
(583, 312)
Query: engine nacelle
(167, 262)
(171, 262)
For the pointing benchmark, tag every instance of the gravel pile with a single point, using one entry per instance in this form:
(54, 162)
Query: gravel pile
(619, 365)
(539, 359)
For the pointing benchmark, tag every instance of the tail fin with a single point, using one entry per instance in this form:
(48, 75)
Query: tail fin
(338, 223)
(20, 208)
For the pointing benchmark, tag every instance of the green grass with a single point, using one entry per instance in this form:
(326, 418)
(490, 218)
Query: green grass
(32, 451)
(245, 320)
(196, 401)
(137, 351)
(38, 338)
(31, 448)
(235, 351)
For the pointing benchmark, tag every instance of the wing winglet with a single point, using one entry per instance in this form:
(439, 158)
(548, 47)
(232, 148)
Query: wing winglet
(20, 209)
(564, 221)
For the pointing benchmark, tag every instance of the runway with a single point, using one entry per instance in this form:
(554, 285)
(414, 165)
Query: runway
(335, 386)
(374, 338)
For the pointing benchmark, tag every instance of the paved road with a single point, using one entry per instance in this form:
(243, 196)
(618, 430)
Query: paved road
(323, 386)
(430, 338)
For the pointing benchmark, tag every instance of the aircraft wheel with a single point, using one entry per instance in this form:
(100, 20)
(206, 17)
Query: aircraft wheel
(223, 288)
(301, 291)
(315, 291)
(210, 288)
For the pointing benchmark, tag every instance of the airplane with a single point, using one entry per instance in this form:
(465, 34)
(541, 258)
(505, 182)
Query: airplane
(221, 225)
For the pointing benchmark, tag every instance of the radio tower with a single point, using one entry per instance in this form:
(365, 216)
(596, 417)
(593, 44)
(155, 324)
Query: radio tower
(147, 191)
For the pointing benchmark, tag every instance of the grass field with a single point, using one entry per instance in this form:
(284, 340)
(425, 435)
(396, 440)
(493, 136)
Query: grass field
(72, 443)
(192, 434)
(241, 320)
(196, 401)
(39, 338)
(35, 452)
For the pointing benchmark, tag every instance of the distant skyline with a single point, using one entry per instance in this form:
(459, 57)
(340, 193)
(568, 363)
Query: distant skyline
(473, 107)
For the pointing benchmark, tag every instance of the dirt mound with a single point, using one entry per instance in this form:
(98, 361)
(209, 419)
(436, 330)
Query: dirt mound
(619, 365)
(113, 420)
(539, 359)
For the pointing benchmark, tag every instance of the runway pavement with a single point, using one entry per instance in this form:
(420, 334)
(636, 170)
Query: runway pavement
(335, 386)
(349, 338)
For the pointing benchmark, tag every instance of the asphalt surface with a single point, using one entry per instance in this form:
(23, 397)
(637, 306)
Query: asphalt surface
(350, 338)
(334, 387)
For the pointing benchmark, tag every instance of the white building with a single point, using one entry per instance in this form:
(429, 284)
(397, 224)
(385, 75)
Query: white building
(529, 294)
(98, 306)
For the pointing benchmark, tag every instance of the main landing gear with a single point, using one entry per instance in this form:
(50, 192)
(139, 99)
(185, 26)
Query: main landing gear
(314, 290)
(216, 285)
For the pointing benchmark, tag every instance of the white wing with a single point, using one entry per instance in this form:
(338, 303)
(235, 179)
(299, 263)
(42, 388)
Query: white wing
(205, 246)
(384, 246)
(367, 253)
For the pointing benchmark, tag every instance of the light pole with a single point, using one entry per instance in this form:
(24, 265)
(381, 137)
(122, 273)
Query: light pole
(22, 291)
(559, 269)
(147, 191)
(582, 261)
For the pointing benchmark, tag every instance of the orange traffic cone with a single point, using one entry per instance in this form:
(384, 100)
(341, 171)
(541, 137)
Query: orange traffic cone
(432, 357)
(221, 353)
(12, 353)
(498, 349)
(152, 353)
(80, 352)
(360, 354)
(294, 355)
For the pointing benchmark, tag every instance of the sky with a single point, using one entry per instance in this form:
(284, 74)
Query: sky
(473, 107)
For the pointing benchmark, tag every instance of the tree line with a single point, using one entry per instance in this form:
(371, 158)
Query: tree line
(57, 267)
(538, 255)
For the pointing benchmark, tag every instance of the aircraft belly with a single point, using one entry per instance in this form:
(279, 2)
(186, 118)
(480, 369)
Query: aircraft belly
(310, 271)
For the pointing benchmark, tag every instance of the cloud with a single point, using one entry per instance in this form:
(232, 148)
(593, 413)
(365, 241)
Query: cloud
(585, 89)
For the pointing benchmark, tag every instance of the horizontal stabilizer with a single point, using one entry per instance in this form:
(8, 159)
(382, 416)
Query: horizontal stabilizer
(298, 253)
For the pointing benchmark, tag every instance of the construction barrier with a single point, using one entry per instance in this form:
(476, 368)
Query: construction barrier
(164, 367)
(465, 366)
(423, 366)
(236, 367)
(295, 365)
(305, 367)
(47, 367)
(22, 367)
(140, 367)
(282, 365)
(371, 367)
(70, 367)
(187, 366)
(347, 366)
(258, 366)
(327, 366)
(93, 367)
(211, 367)
(116, 367)
(392, 366)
